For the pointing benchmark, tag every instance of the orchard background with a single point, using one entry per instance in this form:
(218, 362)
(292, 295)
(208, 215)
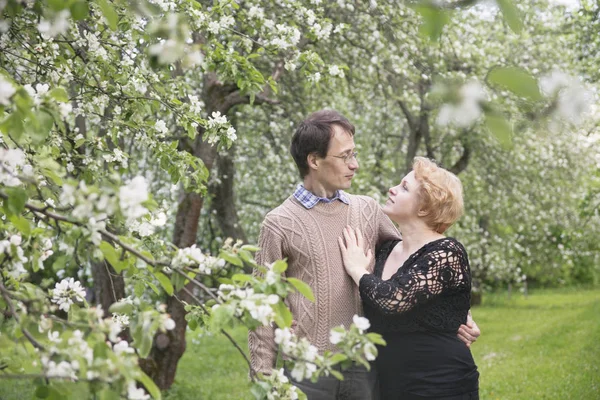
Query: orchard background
(143, 142)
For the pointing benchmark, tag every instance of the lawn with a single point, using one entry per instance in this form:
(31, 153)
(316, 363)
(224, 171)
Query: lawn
(545, 346)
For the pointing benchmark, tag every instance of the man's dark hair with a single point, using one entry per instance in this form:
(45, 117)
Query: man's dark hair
(314, 134)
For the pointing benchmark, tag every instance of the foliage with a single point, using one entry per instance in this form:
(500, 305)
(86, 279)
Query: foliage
(105, 107)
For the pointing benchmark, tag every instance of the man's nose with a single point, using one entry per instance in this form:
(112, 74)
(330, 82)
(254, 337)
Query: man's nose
(353, 164)
(392, 191)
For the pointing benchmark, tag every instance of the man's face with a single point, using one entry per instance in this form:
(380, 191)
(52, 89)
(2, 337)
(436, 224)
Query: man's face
(335, 171)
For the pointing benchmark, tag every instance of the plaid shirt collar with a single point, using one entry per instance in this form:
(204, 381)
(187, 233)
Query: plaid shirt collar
(309, 199)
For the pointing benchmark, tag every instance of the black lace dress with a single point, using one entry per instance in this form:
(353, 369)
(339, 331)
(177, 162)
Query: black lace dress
(418, 311)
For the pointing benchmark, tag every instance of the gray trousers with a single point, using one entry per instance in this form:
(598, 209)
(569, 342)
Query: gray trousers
(358, 384)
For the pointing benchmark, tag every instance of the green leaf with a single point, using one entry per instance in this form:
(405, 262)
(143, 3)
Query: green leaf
(516, 80)
(149, 384)
(241, 278)
(165, 282)
(178, 281)
(376, 338)
(146, 344)
(110, 254)
(80, 10)
(434, 20)
(153, 287)
(221, 317)
(42, 392)
(231, 258)
(21, 223)
(58, 5)
(338, 358)
(303, 288)
(283, 315)
(279, 266)
(60, 263)
(511, 14)
(40, 125)
(337, 374)
(17, 198)
(251, 248)
(13, 125)
(500, 128)
(139, 288)
(260, 389)
(121, 308)
(59, 94)
(109, 13)
(108, 394)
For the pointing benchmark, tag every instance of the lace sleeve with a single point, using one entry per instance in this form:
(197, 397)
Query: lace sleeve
(439, 269)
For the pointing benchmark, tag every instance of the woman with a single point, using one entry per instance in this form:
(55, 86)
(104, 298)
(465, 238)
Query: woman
(419, 292)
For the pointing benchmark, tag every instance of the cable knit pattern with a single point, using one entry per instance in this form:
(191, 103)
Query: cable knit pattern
(429, 292)
(308, 239)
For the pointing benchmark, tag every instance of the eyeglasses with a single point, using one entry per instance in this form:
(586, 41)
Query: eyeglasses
(348, 157)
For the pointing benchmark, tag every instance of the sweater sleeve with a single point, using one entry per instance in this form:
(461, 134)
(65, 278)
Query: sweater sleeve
(441, 269)
(261, 342)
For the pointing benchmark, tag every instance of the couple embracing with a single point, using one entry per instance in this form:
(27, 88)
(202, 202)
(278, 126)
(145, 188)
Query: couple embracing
(414, 288)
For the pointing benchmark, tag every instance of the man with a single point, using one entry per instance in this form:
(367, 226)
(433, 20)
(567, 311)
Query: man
(305, 230)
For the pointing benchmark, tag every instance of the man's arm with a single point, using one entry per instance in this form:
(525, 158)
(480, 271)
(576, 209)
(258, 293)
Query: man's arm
(470, 332)
(261, 342)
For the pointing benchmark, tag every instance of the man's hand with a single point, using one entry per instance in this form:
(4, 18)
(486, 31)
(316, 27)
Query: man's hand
(470, 332)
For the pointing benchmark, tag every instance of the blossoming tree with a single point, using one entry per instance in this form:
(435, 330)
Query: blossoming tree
(113, 115)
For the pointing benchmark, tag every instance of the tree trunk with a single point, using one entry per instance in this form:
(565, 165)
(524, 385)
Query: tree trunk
(223, 199)
(168, 348)
(109, 287)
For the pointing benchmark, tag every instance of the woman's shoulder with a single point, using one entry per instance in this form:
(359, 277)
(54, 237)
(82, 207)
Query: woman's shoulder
(448, 246)
(386, 246)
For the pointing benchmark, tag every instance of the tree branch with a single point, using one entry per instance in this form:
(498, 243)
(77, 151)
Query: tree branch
(7, 298)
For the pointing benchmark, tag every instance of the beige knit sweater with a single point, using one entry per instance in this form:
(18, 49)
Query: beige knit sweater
(309, 241)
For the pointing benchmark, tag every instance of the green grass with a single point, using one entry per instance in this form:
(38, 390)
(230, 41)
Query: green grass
(212, 368)
(545, 346)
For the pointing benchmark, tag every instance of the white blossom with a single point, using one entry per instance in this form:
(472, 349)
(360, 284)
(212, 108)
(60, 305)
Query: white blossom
(467, 110)
(159, 220)
(573, 100)
(11, 162)
(131, 197)
(66, 291)
(121, 319)
(282, 335)
(57, 26)
(6, 91)
(134, 393)
(123, 347)
(161, 127)
(335, 336)
(361, 323)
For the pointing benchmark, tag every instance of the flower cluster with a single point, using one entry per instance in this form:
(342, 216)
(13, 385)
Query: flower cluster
(12, 246)
(13, 164)
(131, 197)
(355, 340)
(245, 301)
(467, 110)
(220, 129)
(280, 387)
(66, 292)
(193, 257)
(572, 98)
(305, 355)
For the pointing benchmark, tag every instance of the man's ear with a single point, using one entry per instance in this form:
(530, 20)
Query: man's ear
(313, 161)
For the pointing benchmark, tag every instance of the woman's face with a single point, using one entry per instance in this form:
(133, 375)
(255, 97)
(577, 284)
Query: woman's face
(403, 199)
